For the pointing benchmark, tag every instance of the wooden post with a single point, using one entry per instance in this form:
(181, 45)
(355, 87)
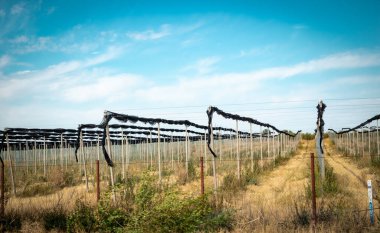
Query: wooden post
(97, 181)
(220, 146)
(122, 154)
(369, 141)
(127, 153)
(357, 143)
(268, 137)
(84, 159)
(377, 138)
(261, 147)
(273, 150)
(172, 151)
(159, 152)
(44, 157)
(11, 166)
(111, 168)
(35, 156)
(251, 144)
(61, 151)
(205, 149)
(186, 153)
(362, 141)
(202, 177)
(237, 150)
(213, 161)
(314, 203)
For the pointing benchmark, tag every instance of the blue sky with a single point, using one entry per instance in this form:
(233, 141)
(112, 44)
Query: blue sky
(62, 63)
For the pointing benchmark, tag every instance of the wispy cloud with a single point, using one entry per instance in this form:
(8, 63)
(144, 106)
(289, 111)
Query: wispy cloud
(108, 87)
(19, 39)
(203, 66)
(17, 8)
(220, 86)
(151, 34)
(36, 81)
(4, 61)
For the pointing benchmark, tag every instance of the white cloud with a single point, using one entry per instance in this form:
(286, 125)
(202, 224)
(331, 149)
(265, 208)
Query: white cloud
(203, 66)
(151, 34)
(4, 61)
(108, 87)
(20, 39)
(219, 86)
(17, 8)
(36, 81)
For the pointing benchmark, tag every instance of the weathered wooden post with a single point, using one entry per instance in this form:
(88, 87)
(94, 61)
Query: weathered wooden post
(159, 152)
(314, 203)
(202, 177)
(237, 150)
(97, 181)
(319, 138)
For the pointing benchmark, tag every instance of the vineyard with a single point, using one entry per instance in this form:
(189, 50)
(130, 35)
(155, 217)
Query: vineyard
(137, 174)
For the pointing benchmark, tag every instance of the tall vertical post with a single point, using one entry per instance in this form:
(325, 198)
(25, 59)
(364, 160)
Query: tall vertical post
(172, 150)
(44, 157)
(11, 166)
(111, 168)
(314, 203)
(369, 141)
(237, 149)
(273, 149)
(122, 155)
(159, 152)
(251, 144)
(213, 161)
(61, 151)
(261, 146)
(84, 159)
(205, 149)
(186, 152)
(319, 138)
(97, 181)
(377, 138)
(268, 137)
(362, 141)
(202, 177)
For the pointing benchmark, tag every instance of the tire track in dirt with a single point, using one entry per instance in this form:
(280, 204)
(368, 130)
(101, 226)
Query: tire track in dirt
(282, 186)
(352, 178)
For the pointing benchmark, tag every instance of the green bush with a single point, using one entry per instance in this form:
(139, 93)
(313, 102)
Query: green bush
(170, 213)
(55, 219)
(111, 219)
(83, 219)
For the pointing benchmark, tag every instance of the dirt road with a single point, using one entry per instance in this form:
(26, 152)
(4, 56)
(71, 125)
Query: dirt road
(352, 178)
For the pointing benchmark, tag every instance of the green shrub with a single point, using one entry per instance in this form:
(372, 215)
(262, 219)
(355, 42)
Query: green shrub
(83, 218)
(170, 213)
(55, 219)
(111, 219)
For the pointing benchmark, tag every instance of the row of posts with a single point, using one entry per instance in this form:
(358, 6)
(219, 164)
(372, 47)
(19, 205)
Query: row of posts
(359, 142)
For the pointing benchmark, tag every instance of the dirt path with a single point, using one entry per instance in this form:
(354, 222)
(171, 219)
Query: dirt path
(285, 181)
(350, 176)
(277, 191)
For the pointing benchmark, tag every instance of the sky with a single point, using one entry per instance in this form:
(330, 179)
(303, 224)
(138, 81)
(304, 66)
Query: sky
(63, 63)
